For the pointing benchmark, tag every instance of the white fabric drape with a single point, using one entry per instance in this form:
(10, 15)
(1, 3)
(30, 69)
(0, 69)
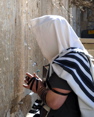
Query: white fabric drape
(54, 35)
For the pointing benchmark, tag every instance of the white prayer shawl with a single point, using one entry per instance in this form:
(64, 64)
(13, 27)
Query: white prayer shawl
(74, 67)
(54, 36)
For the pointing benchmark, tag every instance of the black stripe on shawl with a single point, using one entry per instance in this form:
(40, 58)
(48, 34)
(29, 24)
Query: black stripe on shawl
(74, 51)
(76, 79)
(68, 66)
(80, 61)
(74, 65)
(81, 54)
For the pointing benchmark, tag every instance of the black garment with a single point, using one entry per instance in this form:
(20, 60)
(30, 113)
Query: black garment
(70, 107)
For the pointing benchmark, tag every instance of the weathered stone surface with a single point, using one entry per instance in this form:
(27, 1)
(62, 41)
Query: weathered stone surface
(19, 53)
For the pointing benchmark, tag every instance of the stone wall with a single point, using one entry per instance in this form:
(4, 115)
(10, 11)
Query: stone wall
(19, 51)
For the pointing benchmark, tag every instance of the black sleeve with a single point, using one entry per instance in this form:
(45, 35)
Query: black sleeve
(57, 82)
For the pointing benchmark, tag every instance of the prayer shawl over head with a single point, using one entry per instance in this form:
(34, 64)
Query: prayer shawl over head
(68, 58)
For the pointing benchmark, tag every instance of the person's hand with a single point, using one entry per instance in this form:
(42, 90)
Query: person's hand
(33, 82)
